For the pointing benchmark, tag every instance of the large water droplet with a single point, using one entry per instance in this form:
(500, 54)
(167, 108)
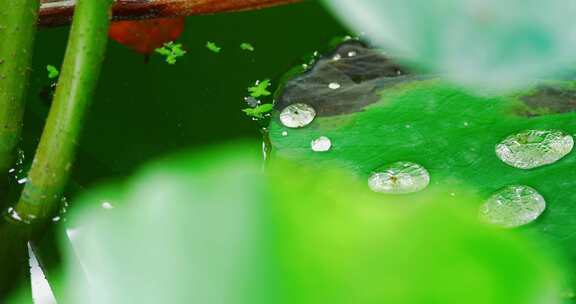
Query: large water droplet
(399, 177)
(321, 144)
(297, 115)
(534, 148)
(513, 206)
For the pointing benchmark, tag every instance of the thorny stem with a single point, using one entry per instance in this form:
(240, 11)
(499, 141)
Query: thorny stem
(58, 12)
(55, 154)
(17, 31)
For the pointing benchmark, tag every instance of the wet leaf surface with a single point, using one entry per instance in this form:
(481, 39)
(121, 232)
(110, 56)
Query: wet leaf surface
(448, 131)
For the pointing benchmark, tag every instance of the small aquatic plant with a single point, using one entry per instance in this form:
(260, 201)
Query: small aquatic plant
(213, 47)
(171, 51)
(52, 71)
(247, 46)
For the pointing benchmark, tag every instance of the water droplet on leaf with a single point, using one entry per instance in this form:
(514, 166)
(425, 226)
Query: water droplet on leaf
(398, 178)
(534, 148)
(513, 206)
(297, 115)
(321, 144)
(334, 85)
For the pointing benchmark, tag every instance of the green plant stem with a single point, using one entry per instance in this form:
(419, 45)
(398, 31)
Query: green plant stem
(17, 31)
(55, 154)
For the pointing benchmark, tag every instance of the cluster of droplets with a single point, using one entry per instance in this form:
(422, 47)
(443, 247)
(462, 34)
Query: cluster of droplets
(17, 172)
(511, 206)
(18, 175)
(299, 115)
(14, 216)
(518, 205)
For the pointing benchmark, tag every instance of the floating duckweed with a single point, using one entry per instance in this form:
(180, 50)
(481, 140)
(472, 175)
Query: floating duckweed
(334, 85)
(534, 148)
(513, 206)
(297, 115)
(399, 177)
(321, 144)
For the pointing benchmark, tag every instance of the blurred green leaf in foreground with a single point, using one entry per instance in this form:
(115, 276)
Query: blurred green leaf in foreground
(213, 228)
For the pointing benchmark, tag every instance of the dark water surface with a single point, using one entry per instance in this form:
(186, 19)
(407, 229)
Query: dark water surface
(142, 111)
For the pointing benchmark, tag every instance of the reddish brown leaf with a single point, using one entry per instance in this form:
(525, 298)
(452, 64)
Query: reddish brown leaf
(144, 36)
(58, 12)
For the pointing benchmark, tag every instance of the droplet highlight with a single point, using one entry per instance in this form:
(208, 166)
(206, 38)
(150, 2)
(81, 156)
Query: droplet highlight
(399, 178)
(297, 115)
(321, 144)
(334, 85)
(534, 148)
(107, 205)
(513, 206)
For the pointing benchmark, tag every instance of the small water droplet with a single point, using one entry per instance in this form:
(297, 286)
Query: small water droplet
(251, 101)
(352, 53)
(334, 85)
(297, 115)
(534, 148)
(321, 144)
(399, 177)
(12, 214)
(265, 150)
(466, 124)
(22, 180)
(107, 205)
(284, 133)
(337, 57)
(513, 206)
